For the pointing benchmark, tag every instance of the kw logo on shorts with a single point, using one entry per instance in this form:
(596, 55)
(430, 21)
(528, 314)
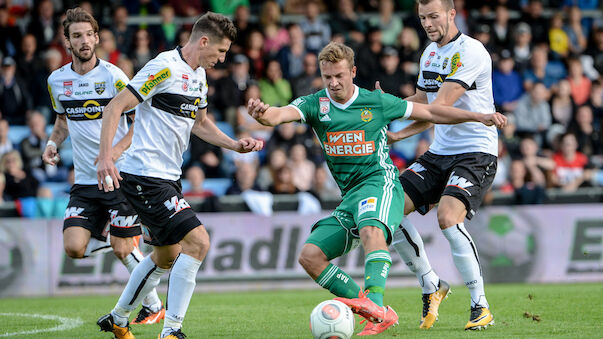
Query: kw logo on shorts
(154, 80)
(459, 182)
(366, 205)
(123, 221)
(74, 212)
(176, 205)
(416, 168)
(348, 143)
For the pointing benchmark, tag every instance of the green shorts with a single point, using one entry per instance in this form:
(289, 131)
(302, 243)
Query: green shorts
(373, 203)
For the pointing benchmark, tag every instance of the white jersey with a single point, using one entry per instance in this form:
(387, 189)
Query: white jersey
(170, 93)
(465, 61)
(82, 98)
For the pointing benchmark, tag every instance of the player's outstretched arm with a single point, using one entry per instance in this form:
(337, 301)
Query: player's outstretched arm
(439, 114)
(107, 175)
(205, 129)
(271, 116)
(58, 135)
(417, 126)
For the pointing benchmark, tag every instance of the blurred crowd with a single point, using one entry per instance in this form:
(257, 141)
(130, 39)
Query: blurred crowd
(547, 78)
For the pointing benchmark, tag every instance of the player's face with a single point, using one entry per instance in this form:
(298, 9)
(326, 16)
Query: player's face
(213, 52)
(338, 79)
(82, 40)
(436, 20)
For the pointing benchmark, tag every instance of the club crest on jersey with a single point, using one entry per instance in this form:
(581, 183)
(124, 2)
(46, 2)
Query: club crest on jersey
(99, 87)
(185, 82)
(366, 115)
(455, 63)
(68, 88)
(445, 63)
(366, 205)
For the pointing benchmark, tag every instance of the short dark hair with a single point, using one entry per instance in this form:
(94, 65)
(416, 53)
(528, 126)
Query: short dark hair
(75, 15)
(215, 26)
(448, 4)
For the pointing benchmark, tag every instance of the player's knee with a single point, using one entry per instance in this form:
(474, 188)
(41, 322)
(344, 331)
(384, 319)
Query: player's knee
(74, 251)
(311, 257)
(121, 252)
(447, 219)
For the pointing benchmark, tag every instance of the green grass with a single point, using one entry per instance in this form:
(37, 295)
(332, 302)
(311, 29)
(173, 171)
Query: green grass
(571, 311)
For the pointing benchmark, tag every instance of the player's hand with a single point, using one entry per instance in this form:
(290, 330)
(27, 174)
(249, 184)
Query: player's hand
(246, 145)
(256, 108)
(497, 119)
(115, 154)
(107, 175)
(378, 86)
(51, 155)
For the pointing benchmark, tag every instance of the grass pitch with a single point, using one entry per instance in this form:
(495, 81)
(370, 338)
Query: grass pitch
(520, 311)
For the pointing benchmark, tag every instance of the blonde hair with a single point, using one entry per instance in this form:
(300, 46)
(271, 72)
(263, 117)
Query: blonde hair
(335, 52)
(18, 159)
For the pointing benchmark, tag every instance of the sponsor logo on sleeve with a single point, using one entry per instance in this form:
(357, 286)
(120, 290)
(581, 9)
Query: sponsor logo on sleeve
(99, 87)
(367, 205)
(348, 143)
(298, 102)
(154, 80)
(119, 84)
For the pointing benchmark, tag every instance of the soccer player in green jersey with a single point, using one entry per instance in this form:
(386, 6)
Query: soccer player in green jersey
(351, 124)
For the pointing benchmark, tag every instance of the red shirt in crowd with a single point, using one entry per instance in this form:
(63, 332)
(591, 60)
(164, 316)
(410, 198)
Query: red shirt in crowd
(568, 171)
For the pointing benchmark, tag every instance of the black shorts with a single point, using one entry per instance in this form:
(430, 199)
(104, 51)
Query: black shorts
(94, 210)
(164, 213)
(466, 176)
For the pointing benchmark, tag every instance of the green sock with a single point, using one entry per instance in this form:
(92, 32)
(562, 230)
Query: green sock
(338, 282)
(376, 268)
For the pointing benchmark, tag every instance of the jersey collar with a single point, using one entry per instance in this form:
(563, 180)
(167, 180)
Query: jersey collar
(455, 37)
(180, 53)
(96, 64)
(347, 103)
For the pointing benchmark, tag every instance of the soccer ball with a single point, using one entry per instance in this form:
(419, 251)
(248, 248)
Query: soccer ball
(332, 319)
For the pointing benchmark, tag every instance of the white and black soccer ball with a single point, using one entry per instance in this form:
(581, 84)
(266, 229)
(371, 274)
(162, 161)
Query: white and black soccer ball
(332, 319)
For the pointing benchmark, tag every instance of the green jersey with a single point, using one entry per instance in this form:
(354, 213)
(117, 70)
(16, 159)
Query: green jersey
(354, 135)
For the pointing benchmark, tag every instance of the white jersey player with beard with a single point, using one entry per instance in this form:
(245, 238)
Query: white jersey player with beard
(79, 92)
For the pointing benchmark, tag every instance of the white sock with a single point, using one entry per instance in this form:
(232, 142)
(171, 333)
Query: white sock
(143, 279)
(410, 247)
(464, 254)
(181, 285)
(96, 247)
(151, 300)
